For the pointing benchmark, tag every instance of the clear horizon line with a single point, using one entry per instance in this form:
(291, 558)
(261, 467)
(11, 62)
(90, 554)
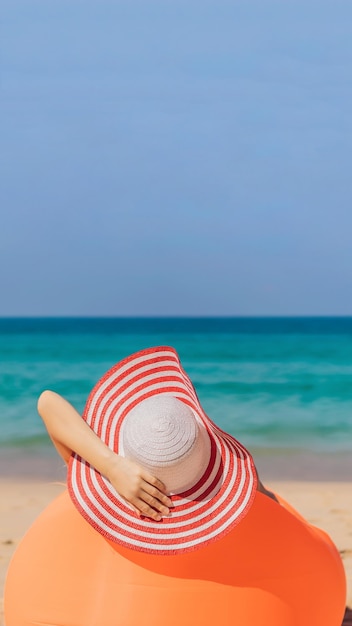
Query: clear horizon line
(181, 316)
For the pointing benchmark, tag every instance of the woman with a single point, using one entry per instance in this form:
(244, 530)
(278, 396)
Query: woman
(165, 519)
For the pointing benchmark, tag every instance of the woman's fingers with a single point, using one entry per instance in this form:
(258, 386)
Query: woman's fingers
(147, 510)
(156, 488)
(154, 502)
(154, 482)
(160, 499)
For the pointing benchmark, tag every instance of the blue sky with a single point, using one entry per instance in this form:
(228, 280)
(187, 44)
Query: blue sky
(176, 157)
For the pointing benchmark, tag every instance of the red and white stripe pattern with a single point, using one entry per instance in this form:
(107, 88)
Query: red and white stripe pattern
(211, 508)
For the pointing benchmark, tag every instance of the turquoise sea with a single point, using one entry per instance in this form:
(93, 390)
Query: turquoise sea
(278, 383)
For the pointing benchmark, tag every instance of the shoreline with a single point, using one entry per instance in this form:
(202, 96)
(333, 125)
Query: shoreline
(274, 464)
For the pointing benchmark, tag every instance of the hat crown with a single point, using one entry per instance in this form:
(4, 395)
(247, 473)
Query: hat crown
(163, 435)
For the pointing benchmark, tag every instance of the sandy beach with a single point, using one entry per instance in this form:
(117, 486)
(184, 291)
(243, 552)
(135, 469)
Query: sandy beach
(325, 504)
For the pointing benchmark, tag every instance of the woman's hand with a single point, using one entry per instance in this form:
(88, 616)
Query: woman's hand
(143, 491)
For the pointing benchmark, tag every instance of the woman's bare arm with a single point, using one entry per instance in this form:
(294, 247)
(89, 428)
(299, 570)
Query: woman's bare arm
(69, 432)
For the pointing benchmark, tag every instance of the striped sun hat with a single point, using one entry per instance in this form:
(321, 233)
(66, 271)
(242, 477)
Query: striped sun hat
(146, 408)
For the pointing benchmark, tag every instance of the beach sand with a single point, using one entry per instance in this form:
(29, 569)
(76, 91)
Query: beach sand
(325, 504)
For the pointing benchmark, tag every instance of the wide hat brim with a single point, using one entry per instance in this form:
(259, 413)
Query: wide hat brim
(207, 511)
